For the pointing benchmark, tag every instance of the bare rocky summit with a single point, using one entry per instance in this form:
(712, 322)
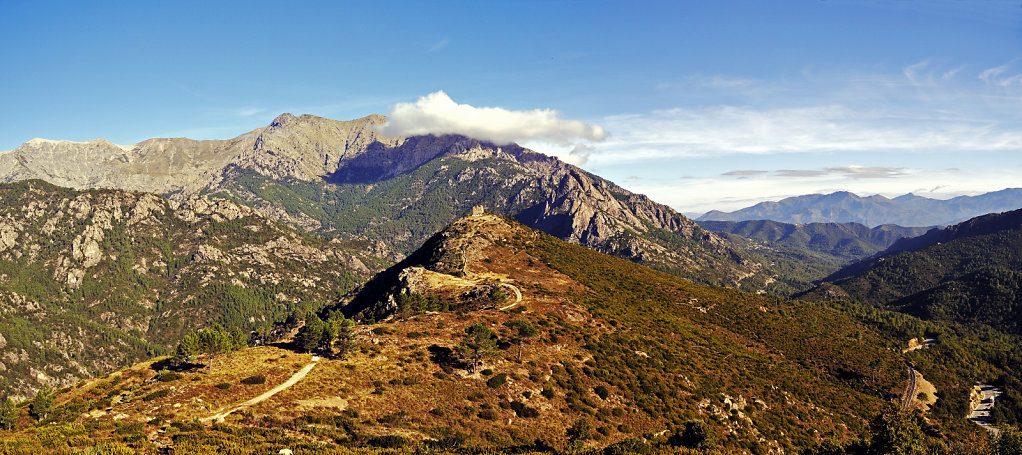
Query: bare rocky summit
(346, 180)
(305, 147)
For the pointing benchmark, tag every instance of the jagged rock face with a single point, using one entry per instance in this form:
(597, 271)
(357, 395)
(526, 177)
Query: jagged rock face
(154, 165)
(305, 148)
(328, 156)
(106, 277)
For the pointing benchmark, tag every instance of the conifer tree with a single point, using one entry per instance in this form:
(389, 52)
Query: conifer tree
(8, 414)
(41, 404)
(310, 336)
(345, 340)
(478, 342)
(521, 330)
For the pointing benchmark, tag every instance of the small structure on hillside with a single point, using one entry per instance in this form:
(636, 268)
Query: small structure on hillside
(478, 210)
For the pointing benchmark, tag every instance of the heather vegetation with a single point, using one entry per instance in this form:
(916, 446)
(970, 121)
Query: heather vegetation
(602, 354)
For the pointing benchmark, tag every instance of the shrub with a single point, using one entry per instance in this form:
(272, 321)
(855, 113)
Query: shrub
(157, 394)
(168, 376)
(601, 392)
(488, 414)
(223, 386)
(390, 441)
(486, 372)
(524, 411)
(253, 380)
(496, 381)
(547, 392)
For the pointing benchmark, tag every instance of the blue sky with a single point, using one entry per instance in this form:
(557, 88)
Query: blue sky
(704, 104)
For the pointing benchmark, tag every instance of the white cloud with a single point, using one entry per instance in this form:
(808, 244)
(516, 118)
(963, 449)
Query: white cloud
(438, 114)
(730, 130)
(932, 127)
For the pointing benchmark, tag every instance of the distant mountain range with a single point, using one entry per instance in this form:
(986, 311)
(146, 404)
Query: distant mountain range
(847, 241)
(845, 207)
(344, 179)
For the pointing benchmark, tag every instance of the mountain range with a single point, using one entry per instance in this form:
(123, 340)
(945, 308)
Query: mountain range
(565, 314)
(876, 210)
(343, 179)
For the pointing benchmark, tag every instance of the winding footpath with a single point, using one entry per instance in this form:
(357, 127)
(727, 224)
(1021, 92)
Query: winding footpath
(219, 417)
(518, 296)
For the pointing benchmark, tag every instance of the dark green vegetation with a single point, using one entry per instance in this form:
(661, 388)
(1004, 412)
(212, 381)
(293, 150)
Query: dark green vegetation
(800, 254)
(93, 280)
(965, 280)
(845, 207)
(964, 273)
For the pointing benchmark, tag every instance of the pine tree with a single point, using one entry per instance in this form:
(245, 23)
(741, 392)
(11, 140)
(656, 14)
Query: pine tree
(8, 414)
(310, 336)
(479, 342)
(186, 349)
(896, 432)
(345, 340)
(214, 341)
(521, 330)
(41, 404)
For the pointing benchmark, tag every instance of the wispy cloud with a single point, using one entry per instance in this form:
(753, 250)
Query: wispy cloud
(731, 130)
(867, 172)
(799, 173)
(249, 111)
(438, 45)
(929, 126)
(1003, 76)
(743, 173)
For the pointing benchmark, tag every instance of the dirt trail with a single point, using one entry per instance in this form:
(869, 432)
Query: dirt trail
(219, 417)
(518, 296)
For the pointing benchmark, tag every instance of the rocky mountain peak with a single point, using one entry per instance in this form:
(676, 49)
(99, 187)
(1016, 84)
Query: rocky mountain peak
(282, 120)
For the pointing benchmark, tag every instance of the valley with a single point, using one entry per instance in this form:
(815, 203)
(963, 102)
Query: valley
(503, 301)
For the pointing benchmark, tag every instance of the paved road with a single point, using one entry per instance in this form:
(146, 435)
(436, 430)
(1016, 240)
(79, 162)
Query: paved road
(913, 386)
(219, 417)
(980, 414)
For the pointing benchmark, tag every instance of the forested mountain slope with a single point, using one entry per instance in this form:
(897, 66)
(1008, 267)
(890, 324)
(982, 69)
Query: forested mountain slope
(964, 273)
(801, 254)
(92, 280)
